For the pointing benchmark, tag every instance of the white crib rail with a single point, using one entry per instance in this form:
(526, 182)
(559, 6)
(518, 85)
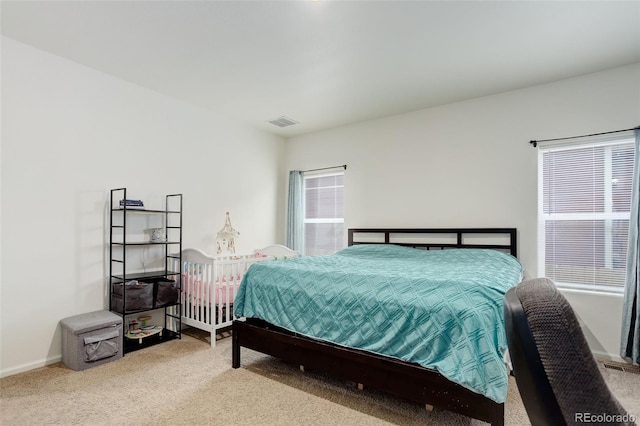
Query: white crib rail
(210, 285)
(228, 276)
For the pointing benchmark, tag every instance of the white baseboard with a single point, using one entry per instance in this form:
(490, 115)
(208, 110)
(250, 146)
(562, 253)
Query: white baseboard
(30, 366)
(607, 356)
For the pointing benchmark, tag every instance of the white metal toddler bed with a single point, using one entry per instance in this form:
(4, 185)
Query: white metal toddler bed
(210, 284)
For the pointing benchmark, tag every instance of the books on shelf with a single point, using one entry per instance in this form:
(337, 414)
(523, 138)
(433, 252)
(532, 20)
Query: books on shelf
(132, 204)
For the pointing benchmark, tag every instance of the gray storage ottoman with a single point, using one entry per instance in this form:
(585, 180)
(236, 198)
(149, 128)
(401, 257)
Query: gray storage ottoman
(91, 339)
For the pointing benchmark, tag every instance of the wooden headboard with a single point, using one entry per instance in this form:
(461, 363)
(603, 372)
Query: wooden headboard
(504, 239)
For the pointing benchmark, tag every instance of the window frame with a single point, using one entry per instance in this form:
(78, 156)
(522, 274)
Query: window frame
(316, 175)
(542, 217)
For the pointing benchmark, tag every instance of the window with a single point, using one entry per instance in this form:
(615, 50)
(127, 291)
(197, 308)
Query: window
(584, 210)
(323, 213)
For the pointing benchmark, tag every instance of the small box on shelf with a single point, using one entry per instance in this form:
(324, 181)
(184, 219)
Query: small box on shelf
(131, 204)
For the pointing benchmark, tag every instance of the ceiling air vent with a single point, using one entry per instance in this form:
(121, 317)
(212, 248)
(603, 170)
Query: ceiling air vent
(283, 121)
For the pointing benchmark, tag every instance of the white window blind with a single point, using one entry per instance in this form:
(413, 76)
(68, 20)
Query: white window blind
(584, 210)
(323, 213)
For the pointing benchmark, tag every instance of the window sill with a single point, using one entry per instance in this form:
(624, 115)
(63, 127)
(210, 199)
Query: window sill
(597, 289)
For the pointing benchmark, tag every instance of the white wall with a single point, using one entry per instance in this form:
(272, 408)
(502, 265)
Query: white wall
(69, 134)
(469, 164)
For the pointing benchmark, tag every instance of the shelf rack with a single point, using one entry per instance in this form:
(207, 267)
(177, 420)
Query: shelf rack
(120, 271)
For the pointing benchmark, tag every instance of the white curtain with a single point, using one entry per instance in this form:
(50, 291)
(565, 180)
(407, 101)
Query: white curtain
(630, 347)
(295, 229)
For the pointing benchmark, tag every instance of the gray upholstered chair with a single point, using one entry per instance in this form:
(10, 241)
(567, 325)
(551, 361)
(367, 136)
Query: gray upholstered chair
(557, 375)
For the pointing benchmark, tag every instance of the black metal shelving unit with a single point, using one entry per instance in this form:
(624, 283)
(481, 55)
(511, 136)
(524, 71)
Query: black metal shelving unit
(120, 271)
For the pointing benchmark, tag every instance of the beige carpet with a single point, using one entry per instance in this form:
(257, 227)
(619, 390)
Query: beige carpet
(186, 382)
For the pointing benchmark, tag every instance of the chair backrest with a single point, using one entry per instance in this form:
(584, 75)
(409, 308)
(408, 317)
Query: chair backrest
(556, 373)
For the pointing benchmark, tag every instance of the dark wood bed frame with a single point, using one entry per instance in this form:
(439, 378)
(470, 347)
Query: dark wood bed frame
(405, 380)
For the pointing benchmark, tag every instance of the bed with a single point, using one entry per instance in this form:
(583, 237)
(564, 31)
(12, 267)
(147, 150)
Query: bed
(417, 335)
(210, 285)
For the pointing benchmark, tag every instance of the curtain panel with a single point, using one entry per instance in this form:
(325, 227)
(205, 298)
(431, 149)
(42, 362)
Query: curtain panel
(295, 228)
(630, 347)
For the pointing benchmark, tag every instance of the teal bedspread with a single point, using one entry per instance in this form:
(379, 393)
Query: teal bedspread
(440, 309)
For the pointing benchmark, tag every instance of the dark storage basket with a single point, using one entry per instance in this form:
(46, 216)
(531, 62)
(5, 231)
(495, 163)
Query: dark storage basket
(166, 292)
(139, 296)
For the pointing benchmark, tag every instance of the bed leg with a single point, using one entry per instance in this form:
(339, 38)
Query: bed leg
(428, 407)
(302, 368)
(498, 416)
(235, 348)
(360, 386)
